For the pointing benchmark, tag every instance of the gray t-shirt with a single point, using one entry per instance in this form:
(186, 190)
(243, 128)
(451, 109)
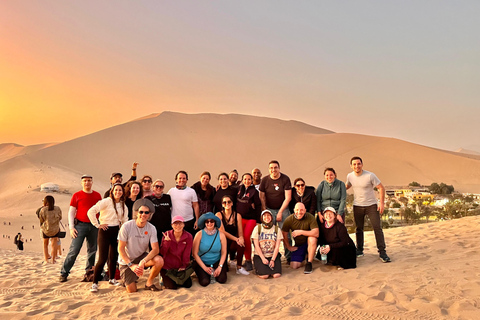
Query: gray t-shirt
(137, 239)
(363, 185)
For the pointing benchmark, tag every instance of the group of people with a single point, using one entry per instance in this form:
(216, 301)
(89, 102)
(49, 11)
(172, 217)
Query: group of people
(139, 226)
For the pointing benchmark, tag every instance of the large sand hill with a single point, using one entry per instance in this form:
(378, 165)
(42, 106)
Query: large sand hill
(434, 275)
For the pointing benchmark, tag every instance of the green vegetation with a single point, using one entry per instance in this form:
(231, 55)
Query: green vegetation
(441, 188)
(414, 184)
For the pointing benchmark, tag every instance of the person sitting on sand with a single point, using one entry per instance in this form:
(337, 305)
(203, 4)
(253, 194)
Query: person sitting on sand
(50, 216)
(176, 249)
(210, 251)
(133, 243)
(267, 238)
(304, 230)
(336, 243)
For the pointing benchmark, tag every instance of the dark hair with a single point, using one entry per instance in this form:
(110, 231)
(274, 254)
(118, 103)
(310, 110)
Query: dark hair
(205, 173)
(227, 196)
(356, 158)
(298, 179)
(128, 189)
(147, 176)
(247, 174)
(181, 171)
(122, 198)
(49, 202)
(234, 170)
(331, 169)
(222, 174)
(274, 161)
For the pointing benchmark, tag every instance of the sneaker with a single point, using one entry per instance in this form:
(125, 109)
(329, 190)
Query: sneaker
(385, 258)
(232, 263)
(63, 278)
(339, 268)
(359, 253)
(94, 287)
(308, 268)
(114, 282)
(243, 271)
(248, 265)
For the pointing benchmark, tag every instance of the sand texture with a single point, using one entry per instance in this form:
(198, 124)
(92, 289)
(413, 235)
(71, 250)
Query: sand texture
(434, 275)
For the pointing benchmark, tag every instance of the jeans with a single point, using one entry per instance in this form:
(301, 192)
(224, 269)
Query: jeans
(359, 214)
(85, 230)
(285, 215)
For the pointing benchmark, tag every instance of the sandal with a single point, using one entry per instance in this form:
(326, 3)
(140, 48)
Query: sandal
(152, 288)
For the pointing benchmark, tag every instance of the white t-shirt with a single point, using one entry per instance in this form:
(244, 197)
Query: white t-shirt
(182, 200)
(363, 185)
(267, 239)
(137, 239)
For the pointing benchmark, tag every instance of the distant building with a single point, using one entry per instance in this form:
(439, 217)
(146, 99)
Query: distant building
(49, 187)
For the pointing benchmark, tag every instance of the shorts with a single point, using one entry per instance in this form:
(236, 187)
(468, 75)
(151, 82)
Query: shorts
(299, 254)
(127, 275)
(48, 237)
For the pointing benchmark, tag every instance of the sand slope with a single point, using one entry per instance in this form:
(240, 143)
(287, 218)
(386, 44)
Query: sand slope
(167, 142)
(434, 275)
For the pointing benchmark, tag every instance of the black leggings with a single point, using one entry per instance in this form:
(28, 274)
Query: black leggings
(107, 251)
(204, 278)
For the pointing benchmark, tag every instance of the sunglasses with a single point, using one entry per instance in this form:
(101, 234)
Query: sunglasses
(143, 212)
(158, 187)
(300, 185)
(227, 202)
(147, 181)
(209, 221)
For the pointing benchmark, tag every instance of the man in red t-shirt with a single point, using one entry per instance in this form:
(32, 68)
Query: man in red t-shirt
(80, 226)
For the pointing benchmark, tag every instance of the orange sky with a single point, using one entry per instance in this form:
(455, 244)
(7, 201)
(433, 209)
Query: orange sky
(69, 69)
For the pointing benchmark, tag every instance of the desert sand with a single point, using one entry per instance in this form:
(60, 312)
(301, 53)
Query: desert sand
(434, 274)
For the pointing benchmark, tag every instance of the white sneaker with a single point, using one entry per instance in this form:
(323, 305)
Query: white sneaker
(94, 288)
(232, 263)
(243, 271)
(114, 282)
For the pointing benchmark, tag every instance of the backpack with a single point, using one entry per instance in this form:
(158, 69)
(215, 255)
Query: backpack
(260, 228)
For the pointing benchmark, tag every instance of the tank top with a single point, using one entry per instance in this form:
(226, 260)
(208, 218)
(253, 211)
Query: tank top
(212, 256)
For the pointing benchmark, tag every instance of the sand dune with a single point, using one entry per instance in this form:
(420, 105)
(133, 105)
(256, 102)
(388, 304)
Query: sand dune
(434, 275)
(11, 150)
(167, 142)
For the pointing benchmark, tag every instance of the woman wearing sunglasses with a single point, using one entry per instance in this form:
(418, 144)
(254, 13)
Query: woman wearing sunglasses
(233, 229)
(304, 194)
(210, 250)
(161, 218)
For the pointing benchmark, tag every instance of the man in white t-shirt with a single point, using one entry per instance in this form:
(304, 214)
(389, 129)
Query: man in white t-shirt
(185, 202)
(133, 240)
(365, 203)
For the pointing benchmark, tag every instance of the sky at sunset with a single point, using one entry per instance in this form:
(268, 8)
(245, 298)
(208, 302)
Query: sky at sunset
(406, 69)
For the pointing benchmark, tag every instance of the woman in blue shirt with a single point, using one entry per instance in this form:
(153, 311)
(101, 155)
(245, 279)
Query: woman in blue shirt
(210, 250)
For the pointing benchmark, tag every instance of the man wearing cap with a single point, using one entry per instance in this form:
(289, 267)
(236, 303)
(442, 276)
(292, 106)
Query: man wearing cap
(133, 243)
(162, 216)
(80, 226)
(185, 202)
(117, 177)
(365, 204)
(304, 230)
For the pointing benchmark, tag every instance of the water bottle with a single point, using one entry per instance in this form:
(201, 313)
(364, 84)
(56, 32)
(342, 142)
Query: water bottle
(212, 277)
(323, 256)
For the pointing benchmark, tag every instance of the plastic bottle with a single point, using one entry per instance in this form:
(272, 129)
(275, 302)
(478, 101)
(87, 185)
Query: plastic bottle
(323, 256)
(212, 277)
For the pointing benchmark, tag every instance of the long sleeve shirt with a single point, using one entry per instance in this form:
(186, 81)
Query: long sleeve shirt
(331, 195)
(108, 215)
(176, 254)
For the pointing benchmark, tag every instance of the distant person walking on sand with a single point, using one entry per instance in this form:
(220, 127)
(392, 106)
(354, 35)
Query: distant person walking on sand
(117, 177)
(50, 217)
(80, 227)
(365, 203)
(19, 241)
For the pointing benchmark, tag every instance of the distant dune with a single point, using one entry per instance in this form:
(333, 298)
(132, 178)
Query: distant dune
(11, 150)
(467, 151)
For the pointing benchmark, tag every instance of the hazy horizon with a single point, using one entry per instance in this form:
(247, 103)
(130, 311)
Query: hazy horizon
(403, 70)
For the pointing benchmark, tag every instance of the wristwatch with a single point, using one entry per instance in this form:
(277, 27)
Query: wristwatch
(220, 265)
(129, 264)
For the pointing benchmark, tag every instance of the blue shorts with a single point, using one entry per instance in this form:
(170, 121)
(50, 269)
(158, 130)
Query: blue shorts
(299, 254)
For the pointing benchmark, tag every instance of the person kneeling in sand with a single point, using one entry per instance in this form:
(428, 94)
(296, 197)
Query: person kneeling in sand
(305, 233)
(267, 238)
(134, 238)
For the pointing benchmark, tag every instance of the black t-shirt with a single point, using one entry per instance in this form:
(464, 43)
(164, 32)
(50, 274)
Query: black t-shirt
(162, 218)
(217, 199)
(275, 190)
